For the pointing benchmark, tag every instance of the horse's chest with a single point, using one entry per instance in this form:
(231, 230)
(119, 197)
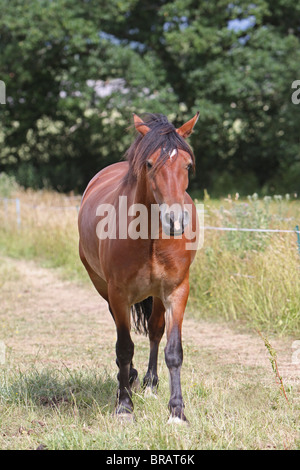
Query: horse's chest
(165, 269)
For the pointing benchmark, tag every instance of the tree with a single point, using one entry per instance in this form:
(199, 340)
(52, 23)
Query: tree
(234, 62)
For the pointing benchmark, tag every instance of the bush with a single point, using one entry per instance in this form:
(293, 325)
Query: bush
(8, 184)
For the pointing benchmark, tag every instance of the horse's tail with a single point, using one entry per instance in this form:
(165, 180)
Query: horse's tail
(141, 313)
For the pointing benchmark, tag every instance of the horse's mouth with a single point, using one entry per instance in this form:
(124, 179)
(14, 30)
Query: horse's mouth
(173, 233)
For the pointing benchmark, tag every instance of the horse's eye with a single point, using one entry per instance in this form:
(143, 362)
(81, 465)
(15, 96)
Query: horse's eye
(189, 166)
(149, 165)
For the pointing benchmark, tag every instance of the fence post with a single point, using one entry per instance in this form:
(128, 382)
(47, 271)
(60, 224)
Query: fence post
(18, 211)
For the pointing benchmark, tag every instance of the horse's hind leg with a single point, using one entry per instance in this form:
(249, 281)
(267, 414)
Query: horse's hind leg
(124, 350)
(156, 327)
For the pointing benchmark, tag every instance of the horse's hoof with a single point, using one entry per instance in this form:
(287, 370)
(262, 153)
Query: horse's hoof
(125, 417)
(150, 393)
(178, 421)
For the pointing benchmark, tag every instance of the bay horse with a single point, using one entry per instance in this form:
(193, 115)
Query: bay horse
(146, 274)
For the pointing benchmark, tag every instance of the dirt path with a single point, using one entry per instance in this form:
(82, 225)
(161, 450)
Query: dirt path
(43, 316)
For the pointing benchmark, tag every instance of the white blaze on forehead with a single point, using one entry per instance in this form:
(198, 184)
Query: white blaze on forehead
(172, 153)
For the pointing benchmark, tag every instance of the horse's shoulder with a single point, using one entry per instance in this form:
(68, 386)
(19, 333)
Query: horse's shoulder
(109, 175)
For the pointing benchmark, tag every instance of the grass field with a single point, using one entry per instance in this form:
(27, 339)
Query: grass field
(58, 383)
(250, 277)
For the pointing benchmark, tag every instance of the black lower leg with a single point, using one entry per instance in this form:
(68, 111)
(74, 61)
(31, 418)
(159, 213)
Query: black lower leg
(133, 373)
(174, 358)
(156, 331)
(151, 377)
(124, 350)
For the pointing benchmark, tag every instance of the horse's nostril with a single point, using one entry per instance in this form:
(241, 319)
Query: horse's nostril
(167, 218)
(186, 218)
(174, 220)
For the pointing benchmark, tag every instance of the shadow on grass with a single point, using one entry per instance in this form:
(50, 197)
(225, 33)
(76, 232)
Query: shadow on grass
(59, 388)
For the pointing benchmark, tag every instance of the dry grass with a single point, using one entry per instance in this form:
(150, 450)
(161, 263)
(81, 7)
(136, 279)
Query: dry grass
(242, 276)
(48, 230)
(58, 384)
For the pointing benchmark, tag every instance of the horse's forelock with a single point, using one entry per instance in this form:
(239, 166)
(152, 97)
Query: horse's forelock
(162, 135)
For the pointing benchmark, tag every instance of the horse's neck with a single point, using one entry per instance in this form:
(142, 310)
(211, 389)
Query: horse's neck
(142, 193)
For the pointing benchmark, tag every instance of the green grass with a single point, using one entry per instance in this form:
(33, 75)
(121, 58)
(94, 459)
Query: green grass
(249, 277)
(58, 385)
(262, 289)
(54, 248)
(73, 409)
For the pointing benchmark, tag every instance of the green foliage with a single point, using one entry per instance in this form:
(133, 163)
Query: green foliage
(233, 62)
(7, 185)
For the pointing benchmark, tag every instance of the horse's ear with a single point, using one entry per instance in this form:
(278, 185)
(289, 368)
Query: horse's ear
(186, 129)
(140, 125)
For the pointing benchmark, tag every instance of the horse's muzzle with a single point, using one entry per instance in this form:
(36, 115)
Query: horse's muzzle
(173, 219)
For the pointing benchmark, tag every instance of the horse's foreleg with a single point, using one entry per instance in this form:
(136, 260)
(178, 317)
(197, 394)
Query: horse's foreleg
(124, 351)
(156, 326)
(175, 307)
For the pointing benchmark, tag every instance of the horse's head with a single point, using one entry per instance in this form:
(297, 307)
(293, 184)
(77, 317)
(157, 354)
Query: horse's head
(167, 162)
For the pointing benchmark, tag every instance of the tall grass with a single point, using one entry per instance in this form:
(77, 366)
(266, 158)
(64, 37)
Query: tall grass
(45, 403)
(250, 277)
(48, 230)
(253, 277)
